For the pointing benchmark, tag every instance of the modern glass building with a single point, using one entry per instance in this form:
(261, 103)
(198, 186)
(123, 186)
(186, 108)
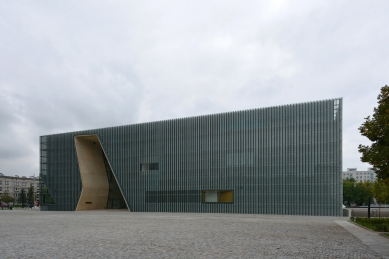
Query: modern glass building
(276, 160)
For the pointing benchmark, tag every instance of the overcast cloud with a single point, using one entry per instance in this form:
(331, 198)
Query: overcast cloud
(75, 65)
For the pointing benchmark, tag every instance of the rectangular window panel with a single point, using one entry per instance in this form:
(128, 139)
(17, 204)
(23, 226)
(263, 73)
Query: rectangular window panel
(183, 196)
(149, 166)
(221, 196)
(227, 196)
(210, 196)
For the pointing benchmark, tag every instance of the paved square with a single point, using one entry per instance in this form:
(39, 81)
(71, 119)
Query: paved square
(120, 234)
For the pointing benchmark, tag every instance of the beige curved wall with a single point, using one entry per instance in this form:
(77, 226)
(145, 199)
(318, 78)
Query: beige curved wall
(95, 186)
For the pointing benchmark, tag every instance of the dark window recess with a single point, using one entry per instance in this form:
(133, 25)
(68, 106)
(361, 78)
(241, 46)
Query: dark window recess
(188, 196)
(88, 202)
(153, 166)
(149, 166)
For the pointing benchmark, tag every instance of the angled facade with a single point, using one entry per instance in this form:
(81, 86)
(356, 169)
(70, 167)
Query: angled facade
(277, 160)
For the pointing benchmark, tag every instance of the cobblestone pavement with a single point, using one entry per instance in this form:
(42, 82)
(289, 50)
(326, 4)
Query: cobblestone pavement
(121, 234)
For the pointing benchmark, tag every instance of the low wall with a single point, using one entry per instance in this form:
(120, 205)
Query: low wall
(374, 212)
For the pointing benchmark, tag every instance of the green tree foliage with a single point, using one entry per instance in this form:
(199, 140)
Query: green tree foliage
(30, 195)
(348, 191)
(376, 129)
(6, 198)
(22, 197)
(368, 190)
(358, 193)
(362, 193)
(381, 191)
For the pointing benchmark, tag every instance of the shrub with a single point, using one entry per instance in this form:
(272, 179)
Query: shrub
(381, 227)
(377, 224)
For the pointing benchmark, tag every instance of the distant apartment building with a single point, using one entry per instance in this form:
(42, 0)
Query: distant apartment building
(359, 176)
(14, 184)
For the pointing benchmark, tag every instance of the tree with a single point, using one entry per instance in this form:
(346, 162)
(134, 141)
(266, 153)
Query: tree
(30, 195)
(348, 191)
(6, 198)
(362, 193)
(358, 193)
(22, 197)
(376, 129)
(381, 191)
(368, 191)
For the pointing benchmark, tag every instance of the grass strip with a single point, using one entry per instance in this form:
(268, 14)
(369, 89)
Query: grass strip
(375, 224)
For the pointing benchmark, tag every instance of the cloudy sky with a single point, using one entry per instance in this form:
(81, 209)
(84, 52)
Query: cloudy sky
(75, 65)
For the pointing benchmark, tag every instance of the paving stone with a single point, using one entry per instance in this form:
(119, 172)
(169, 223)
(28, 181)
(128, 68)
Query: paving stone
(120, 234)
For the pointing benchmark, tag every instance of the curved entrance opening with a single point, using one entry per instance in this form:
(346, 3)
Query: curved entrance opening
(100, 189)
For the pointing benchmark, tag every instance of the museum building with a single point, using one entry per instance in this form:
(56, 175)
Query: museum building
(278, 160)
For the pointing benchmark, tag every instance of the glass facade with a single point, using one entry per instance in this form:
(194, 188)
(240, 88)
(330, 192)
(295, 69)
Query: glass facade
(277, 160)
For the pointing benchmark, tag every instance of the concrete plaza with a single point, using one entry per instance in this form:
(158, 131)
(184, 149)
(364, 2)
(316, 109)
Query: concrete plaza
(120, 234)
